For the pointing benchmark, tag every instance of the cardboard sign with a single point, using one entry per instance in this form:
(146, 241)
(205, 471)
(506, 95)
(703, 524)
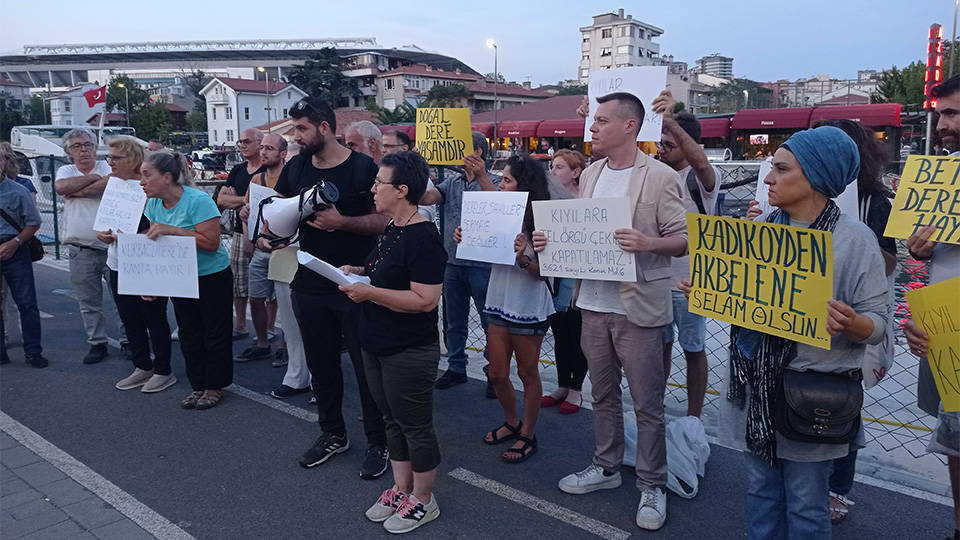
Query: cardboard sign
(580, 242)
(490, 221)
(166, 266)
(936, 310)
(929, 195)
(848, 201)
(772, 278)
(257, 194)
(443, 135)
(121, 206)
(645, 82)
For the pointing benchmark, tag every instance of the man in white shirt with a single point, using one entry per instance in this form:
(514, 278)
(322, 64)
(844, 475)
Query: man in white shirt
(623, 322)
(82, 184)
(680, 149)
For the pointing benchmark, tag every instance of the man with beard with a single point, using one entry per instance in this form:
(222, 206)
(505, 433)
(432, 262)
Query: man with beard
(340, 234)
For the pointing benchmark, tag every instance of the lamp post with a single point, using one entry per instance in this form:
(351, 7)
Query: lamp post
(266, 88)
(746, 99)
(43, 105)
(126, 93)
(491, 44)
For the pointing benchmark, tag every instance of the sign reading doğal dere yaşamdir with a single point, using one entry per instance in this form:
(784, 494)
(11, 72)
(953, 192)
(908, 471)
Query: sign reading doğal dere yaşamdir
(936, 310)
(443, 135)
(772, 278)
(928, 195)
(644, 82)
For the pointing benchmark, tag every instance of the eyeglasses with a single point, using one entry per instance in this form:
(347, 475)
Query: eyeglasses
(82, 146)
(115, 158)
(382, 183)
(302, 105)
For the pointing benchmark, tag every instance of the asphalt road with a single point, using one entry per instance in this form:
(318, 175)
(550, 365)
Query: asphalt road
(231, 472)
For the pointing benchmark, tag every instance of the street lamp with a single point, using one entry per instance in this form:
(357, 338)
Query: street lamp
(126, 93)
(491, 44)
(43, 105)
(266, 87)
(746, 99)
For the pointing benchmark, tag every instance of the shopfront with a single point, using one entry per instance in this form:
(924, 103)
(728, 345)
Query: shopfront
(757, 133)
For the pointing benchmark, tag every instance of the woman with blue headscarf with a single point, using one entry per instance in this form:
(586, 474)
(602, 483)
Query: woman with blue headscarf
(787, 480)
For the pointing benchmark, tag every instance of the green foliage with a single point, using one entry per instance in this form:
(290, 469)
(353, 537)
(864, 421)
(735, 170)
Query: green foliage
(152, 122)
(499, 78)
(403, 113)
(903, 86)
(39, 111)
(679, 106)
(322, 77)
(117, 96)
(195, 81)
(730, 96)
(454, 95)
(573, 90)
(197, 121)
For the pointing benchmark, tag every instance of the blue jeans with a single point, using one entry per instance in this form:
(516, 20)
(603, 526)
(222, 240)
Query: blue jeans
(788, 500)
(460, 283)
(843, 471)
(17, 271)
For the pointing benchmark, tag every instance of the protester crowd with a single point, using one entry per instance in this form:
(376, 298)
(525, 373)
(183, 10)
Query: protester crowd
(381, 229)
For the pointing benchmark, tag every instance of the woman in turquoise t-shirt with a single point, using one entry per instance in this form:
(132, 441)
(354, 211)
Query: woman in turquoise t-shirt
(176, 209)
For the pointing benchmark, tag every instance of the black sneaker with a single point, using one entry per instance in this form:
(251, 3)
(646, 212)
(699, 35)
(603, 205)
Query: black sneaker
(96, 354)
(283, 391)
(450, 379)
(375, 462)
(253, 353)
(326, 446)
(37, 360)
(281, 358)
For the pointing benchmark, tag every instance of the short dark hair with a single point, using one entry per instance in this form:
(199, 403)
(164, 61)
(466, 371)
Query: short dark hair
(947, 88)
(403, 138)
(316, 111)
(409, 169)
(629, 104)
(480, 141)
(690, 124)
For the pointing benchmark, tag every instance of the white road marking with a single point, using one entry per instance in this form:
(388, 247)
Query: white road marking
(537, 504)
(126, 504)
(273, 403)
(904, 490)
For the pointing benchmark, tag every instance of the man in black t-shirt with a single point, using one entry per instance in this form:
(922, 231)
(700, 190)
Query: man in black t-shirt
(233, 196)
(342, 234)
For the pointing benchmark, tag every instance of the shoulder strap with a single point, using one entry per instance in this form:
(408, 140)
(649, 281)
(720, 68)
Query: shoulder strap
(694, 190)
(6, 217)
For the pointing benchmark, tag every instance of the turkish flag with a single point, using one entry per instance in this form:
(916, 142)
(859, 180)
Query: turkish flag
(96, 95)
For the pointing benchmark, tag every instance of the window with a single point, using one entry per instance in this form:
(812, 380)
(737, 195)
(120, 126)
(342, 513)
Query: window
(68, 122)
(66, 106)
(586, 56)
(623, 31)
(389, 84)
(606, 51)
(606, 33)
(586, 38)
(229, 135)
(214, 135)
(284, 113)
(584, 72)
(246, 113)
(625, 49)
(229, 115)
(214, 110)
(288, 94)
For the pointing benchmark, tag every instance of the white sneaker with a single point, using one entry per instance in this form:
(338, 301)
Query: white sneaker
(588, 480)
(411, 514)
(158, 383)
(652, 511)
(386, 505)
(134, 380)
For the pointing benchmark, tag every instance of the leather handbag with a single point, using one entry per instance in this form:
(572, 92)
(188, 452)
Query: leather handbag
(816, 407)
(33, 244)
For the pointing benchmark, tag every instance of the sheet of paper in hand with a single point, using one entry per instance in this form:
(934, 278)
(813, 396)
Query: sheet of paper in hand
(328, 271)
(121, 206)
(490, 222)
(644, 82)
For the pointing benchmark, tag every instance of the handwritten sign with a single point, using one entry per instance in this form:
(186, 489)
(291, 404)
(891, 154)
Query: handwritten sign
(257, 194)
(645, 82)
(490, 221)
(580, 242)
(121, 206)
(772, 278)
(936, 310)
(443, 135)
(929, 195)
(166, 266)
(848, 201)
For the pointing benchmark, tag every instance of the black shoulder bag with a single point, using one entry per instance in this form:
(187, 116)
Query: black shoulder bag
(694, 190)
(33, 244)
(817, 407)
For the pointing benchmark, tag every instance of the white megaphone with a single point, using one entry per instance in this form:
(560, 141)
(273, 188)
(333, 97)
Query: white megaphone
(284, 216)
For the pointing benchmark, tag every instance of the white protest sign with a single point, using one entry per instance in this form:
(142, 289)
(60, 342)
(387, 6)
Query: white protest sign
(329, 271)
(166, 266)
(580, 241)
(490, 221)
(645, 82)
(257, 194)
(848, 201)
(121, 206)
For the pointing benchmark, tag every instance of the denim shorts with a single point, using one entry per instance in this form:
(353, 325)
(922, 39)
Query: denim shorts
(692, 327)
(260, 285)
(946, 438)
(520, 329)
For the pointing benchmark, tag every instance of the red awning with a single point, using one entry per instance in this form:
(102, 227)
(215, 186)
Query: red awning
(711, 128)
(483, 127)
(788, 118)
(561, 128)
(518, 129)
(409, 129)
(875, 115)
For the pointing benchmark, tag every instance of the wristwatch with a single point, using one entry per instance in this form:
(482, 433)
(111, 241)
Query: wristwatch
(523, 261)
(17, 238)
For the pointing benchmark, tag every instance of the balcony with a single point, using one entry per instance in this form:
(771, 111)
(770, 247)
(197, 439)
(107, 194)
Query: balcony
(217, 99)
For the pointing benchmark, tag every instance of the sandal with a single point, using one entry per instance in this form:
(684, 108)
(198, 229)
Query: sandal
(209, 399)
(190, 402)
(839, 507)
(514, 433)
(523, 453)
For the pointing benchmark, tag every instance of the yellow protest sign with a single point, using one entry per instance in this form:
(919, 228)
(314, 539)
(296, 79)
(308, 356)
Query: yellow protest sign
(928, 195)
(936, 310)
(772, 278)
(443, 135)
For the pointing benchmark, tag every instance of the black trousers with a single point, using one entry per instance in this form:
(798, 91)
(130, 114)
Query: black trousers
(206, 338)
(571, 363)
(323, 319)
(139, 318)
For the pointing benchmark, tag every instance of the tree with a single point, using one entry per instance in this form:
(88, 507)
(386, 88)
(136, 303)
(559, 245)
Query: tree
(403, 113)
(117, 96)
(195, 80)
(39, 110)
(454, 95)
(679, 107)
(742, 94)
(573, 90)
(499, 78)
(10, 115)
(197, 121)
(321, 76)
(901, 86)
(152, 122)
